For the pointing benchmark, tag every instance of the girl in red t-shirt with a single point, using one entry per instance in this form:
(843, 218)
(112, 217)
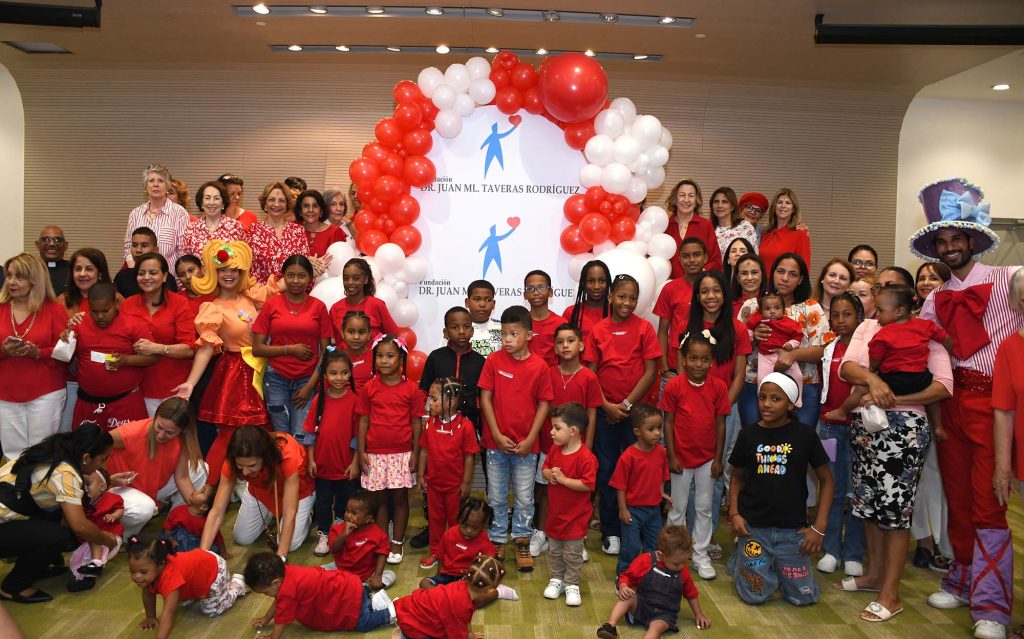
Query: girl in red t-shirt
(446, 611)
(591, 297)
(357, 279)
(105, 510)
(462, 543)
(355, 331)
(389, 409)
(178, 578)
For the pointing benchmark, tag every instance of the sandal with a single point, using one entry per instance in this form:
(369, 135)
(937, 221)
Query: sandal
(396, 557)
(849, 584)
(876, 613)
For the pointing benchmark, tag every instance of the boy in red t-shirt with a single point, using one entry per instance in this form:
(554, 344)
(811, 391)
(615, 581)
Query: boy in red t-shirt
(185, 523)
(538, 292)
(515, 390)
(359, 545)
(571, 471)
(328, 600)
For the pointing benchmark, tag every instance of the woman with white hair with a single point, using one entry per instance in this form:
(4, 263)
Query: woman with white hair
(167, 219)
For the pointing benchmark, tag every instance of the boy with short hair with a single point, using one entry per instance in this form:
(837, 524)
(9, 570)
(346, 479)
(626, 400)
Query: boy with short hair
(537, 291)
(458, 360)
(673, 305)
(143, 241)
(329, 600)
(486, 330)
(515, 390)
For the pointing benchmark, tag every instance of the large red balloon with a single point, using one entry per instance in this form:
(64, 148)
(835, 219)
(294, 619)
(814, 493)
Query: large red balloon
(419, 171)
(363, 171)
(414, 363)
(365, 192)
(365, 220)
(375, 151)
(594, 196)
(571, 241)
(623, 229)
(387, 225)
(369, 241)
(388, 132)
(391, 164)
(594, 228)
(388, 188)
(410, 338)
(531, 101)
(500, 77)
(408, 116)
(524, 76)
(577, 134)
(408, 237)
(430, 112)
(417, 142)
(406, 91)
(573, 87)
(575, 208)
(509, 100)
(404, 210)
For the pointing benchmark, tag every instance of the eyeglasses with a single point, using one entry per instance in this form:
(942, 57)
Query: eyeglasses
(864, 263)
(50, 239)
(538, 289)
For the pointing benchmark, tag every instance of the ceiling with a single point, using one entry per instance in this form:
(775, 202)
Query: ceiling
(976, 83)
(754, 41)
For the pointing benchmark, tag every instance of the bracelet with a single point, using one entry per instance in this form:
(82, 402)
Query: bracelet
(285, 349)
(817, 531)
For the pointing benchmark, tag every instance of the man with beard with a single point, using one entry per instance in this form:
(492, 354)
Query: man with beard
(973, 307)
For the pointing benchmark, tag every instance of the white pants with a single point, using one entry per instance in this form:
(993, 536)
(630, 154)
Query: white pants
(152, 403)
(139, 507)
(704, 489)
(930, 511)
(23, 424)
(69, 407)
(253, 516)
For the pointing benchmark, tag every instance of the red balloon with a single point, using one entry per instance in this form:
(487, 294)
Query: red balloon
(365, 192)
(388, 188)
(531, 101)
(417, 142)
(388, 132)
(408, 237)
(414, 363)
(605, 209)
(392, 165)
(633, 212)
(509, 100)
(500, 77)
(404, 210)
(594, 228)
(575, 208)
(594, 196)
(429, 112)
(577, 134)
(524, 76)
(388, 225)
(370, 240)
(406, 91)
(381, 222)
(573, 87)
(419, 171)
(410, 340)
(375, 151)
(378, 206)
(620, 205)
(363, 171)
(571, 241)
(507, 60)
(365, 220)
(623, 229)
(408, 116)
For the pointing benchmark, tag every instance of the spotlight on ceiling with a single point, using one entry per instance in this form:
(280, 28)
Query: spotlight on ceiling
(666, 20)
(442, 49)
(609, 18)
(542, 51)
(435, 11)
(491, 49)
(551, 16)
(1000, 87)
(295, 47)
(318, 10)
(261, 9)
(497, 13)
(341, 48)
(375, 10)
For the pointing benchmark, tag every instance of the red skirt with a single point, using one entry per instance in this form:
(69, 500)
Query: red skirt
(230, 399)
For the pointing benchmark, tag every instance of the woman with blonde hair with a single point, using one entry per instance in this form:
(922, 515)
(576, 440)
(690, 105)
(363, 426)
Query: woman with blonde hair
(783, 233)
(32, 384)
(278, 236)
(683, 206)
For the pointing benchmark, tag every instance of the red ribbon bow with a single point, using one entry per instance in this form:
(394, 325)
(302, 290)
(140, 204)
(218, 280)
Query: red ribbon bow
(961, 313)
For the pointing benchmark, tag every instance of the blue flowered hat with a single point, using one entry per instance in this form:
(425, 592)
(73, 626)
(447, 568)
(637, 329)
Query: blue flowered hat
(953, 204)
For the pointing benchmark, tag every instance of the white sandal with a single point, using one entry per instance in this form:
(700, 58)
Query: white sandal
(396, 557)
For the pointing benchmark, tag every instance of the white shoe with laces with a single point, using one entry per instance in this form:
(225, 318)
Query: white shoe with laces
(828, 564)
(988, 629)
(572, 596)
(706, 571)
(611, 545)
(323, 547)
(554, 589)
(946, 601)
(237, 583)
(538, 543)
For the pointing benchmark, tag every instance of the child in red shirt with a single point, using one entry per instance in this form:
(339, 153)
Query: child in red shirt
(184, 525)
(445, 472)
(537, 291)
(326, 600)
(786, 334)
(359, 545)
(355, 333)
(105, 510)
(462, 543)
(359, 286)
(639, 480)
(183, 577)
(591, 298)
(571, 471)
(446, 611)
(651, 590)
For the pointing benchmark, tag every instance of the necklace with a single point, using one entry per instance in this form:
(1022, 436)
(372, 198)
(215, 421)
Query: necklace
(695, 384)
(301, 306)
(14, 328)
(565, 382)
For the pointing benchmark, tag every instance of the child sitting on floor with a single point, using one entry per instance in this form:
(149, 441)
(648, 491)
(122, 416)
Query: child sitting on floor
(105, 510)
(359, 545)
(184, 525)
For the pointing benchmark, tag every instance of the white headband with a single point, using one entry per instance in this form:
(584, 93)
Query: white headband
(785, 382)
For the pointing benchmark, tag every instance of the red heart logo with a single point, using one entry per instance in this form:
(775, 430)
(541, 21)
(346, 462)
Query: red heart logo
(513, 221)
(515, 119)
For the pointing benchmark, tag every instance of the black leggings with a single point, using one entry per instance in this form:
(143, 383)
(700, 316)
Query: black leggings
(331, 498)
(37, 544)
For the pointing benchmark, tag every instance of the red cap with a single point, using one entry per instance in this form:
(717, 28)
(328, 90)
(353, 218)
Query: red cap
(754, 199)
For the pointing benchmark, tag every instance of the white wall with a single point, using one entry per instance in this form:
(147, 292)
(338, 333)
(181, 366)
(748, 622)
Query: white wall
(12, 165)
(978, 140)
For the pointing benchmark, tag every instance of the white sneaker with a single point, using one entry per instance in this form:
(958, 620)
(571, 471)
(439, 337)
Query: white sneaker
(380, 600)
(586, 556)
(706, 571)
(237, 583)
(554, 589)
(388, 578)
(572, 596)
(946, 601)
(610, 545)
(828, 563)
(507, 593)
(853, 568)
(988, 629)
(322, 546)
(538, 543)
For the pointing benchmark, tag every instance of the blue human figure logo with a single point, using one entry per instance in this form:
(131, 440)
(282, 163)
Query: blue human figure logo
(493, 251)
(493, 145)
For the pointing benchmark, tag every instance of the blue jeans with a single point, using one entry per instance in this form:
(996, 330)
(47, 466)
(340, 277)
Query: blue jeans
(643, 532)
(523, 470)
(747, 404)
(278, 392)
(851, 547)
(770, 559)
(368, 617)
(609, 442)
(810, 409)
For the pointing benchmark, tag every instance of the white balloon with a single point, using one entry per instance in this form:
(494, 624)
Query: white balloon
(626, 149)
(643, 233)
(641, 246)
(405, 313)
(448, 124)
(666, 138)
(464, 105)
(626, 109)
(632, 246)
(378, 274)
(647, 131)
(429, 79)
(457, 77)
(620, 261)
(482, 90)
(340, 253)
(615, 178)
(590, 175)
(388, 296)
(653, 176)
(662, 245)
(415, 270)
(390, 258)
(479, 68)
(656, 217)
(400, 288)
(576, 263)
(329, 291)
(642, 162)
(636, 191)
(603, 247)
(609, 122)
(661, 267)
(658, 156)
(599, 150)
(444, 97)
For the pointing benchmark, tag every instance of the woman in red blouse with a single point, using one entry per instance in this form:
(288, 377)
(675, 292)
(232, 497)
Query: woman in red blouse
(274, 239)
(683, 205)
(782, 235)
(31, 382)
(311, 212)
(212, 198)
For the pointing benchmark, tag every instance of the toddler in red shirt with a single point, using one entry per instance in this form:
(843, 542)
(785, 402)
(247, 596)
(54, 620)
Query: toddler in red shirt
(105, 510)
(651, 590)
(359, 545)
(786, 334)
(184, 525)
(639, 480)
(446, 611)
(462, 543)
(355, 333)
(571, 471)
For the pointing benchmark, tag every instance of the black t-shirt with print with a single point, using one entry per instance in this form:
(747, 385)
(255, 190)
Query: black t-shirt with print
(774, 462)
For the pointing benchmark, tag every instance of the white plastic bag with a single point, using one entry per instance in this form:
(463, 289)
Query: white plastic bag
(64, 351)
(873, 419)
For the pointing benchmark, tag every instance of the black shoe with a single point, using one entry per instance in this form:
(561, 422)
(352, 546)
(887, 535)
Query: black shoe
(939, 563)
(607, 631)
(78, 585)
(922, 557)
(91, 569)
(422, 539)
(37, 597)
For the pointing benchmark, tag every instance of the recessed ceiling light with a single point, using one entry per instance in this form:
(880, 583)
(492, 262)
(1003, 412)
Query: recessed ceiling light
(341, 47)
(1000, 87)
(295, 47)
(701, 36)
(394, 49)
(589, 53)
(551, 16)
(542, 51)
(491, 49)
(375, 10)
(640, 56)
(609, 18)
(261, 24)
(435, 11)
(666, 20)
(318, 10)
(442, 49)
(261, 9)
(497, 13)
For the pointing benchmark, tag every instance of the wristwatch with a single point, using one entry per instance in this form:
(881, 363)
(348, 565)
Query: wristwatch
(627, 404)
